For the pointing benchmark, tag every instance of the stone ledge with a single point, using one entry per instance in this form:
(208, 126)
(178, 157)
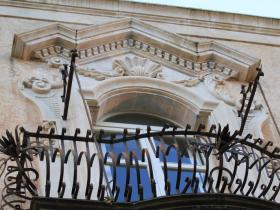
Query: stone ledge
(179, 202)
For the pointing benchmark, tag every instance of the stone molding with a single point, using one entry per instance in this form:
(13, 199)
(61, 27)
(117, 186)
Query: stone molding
(166, 99)
(162, 13)
(105, 89)
(133, 35)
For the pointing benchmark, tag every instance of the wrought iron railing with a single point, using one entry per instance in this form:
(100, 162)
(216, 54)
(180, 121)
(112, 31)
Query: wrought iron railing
(232, 165)
(216, 162)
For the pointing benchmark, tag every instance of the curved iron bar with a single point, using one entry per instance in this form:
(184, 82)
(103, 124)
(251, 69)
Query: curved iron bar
(179, 164)
(223, 153)
(133, 156)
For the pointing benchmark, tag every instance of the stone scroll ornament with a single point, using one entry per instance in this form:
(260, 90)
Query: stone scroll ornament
(56, 62)
(216, 86)
(232, 164)
(42, 85)
(189, 82)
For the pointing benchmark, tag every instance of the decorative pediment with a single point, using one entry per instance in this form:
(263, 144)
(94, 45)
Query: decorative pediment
(131, 35)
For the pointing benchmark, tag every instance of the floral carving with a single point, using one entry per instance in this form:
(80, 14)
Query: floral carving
(42, 85)
(216, 86)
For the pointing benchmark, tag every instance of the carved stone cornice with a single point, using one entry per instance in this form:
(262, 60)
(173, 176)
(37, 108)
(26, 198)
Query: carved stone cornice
(133, 35)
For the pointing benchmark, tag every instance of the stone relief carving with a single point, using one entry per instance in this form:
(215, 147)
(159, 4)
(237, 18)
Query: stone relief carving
(48, 125)
(129, 66)
(216, 86)
(56, 62)
(42, 85)
(97, 75)
(136, 66)
(189, 82)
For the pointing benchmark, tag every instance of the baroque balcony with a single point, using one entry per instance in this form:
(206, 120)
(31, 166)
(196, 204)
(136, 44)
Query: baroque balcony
(173, 168)
(202, 169)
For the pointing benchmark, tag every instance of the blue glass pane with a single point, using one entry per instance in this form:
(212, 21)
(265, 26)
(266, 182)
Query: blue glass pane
(172, 157)
(172, 177)
(186, 159)
(118, 148)
(133, 146)
(201, 178)
(134, 184)
(121, 180)
(145, 179)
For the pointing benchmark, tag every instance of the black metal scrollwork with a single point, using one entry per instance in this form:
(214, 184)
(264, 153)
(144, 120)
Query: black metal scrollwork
(232, 164)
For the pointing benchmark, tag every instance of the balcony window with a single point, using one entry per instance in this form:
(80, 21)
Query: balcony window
(155, 146)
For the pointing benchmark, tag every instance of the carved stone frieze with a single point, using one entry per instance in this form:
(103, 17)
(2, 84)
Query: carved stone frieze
(135, 36)
(129, 66)
(196, 69)
(216, 86)
(42, 85)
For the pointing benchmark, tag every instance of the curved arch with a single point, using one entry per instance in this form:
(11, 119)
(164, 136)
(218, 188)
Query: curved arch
(150, 96)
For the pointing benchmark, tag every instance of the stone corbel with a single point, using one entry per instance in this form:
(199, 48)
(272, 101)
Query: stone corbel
(202, 118)
(94, 109)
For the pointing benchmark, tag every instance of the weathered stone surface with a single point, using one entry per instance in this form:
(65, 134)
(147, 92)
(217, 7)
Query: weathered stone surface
(236, 35)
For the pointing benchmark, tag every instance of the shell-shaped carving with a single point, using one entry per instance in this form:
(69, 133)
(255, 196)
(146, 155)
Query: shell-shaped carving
(136, 66)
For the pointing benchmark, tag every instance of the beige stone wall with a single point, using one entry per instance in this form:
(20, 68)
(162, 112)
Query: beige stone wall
(270, 83)
(256, 36)
(15, 109)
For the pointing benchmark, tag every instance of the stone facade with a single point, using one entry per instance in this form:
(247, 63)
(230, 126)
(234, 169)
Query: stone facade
(254, 35)
(177, 64)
